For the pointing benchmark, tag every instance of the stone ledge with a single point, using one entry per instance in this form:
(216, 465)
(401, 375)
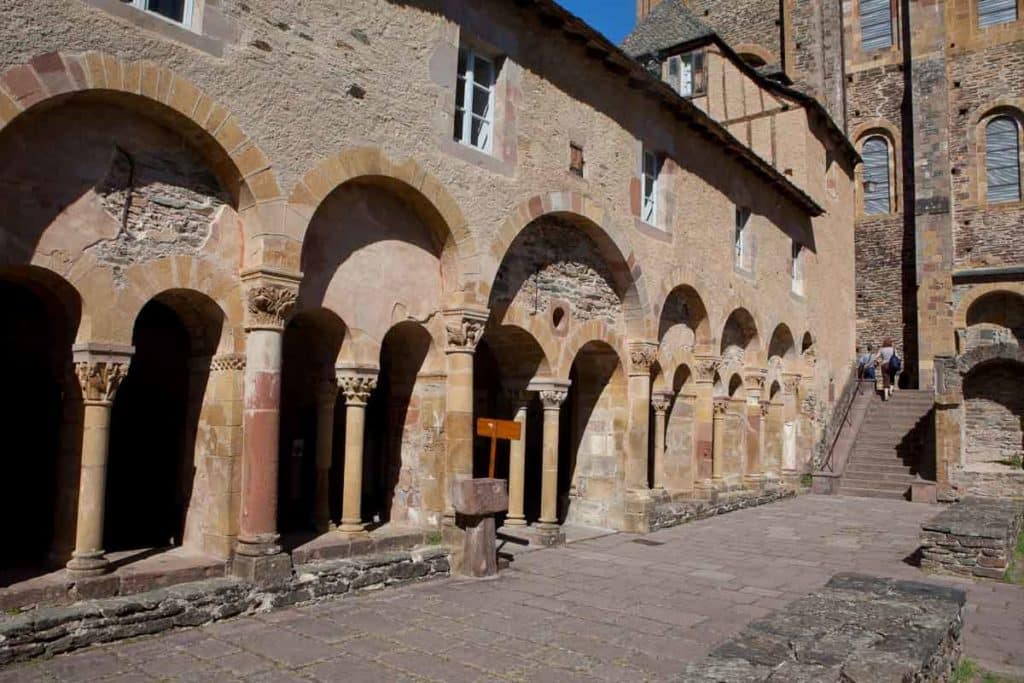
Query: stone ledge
(975, 537)
(858, 628)
(50, 631)
(680, 512)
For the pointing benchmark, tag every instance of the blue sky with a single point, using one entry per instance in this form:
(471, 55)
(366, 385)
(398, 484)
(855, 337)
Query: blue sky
(613, 18)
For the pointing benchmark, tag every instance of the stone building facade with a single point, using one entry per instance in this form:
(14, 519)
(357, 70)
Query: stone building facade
(268, 261)
(935, 93)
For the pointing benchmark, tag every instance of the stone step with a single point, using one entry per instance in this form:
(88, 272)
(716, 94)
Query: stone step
(881, 477)
(870, 493)
(881, 455)
(880, 467)
(873, 483)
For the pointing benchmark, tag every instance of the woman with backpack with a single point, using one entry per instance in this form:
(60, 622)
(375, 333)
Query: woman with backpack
(891, 365)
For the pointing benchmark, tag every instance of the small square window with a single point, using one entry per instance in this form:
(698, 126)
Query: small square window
(686, 73)
(474, 100)
(576, 159)
(649, 178)
(178, 11)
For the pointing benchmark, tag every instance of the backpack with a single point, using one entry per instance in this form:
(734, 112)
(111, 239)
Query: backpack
(895, 364)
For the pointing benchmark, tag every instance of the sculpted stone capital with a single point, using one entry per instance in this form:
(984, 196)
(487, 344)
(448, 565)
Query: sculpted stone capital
(720, 407)
(765, 407)
(100, 369)
(754, 379)
(706, 366)
(269, 305)
(551, 399)
(790, 382)
(356, 383)
(660, 401)
(642, 355)
(463, 328)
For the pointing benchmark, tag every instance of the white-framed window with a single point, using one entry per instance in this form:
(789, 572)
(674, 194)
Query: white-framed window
(797, 267)
(875, 176)
(178, 11)
(1002, 160)
(741, 237)
(474, 100)
(992, 12)
(875, 24)
(686, 73)
(649, 178)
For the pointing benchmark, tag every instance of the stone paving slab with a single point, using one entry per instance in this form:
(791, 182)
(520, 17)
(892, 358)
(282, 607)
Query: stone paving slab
(601, 609)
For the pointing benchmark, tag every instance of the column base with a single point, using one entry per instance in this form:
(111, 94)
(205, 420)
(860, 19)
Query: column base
(262, 570)
(352, 529)
(258, 545)
(515, 521)
(88, 564)
(549, 533)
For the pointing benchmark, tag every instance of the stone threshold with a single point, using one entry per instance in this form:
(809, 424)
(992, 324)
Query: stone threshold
(682, 511)
(49, 631)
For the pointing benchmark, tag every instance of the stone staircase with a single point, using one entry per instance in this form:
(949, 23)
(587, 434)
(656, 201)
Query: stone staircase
(887, 452)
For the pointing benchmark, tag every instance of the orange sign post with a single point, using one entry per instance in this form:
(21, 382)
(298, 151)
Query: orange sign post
(508, 430)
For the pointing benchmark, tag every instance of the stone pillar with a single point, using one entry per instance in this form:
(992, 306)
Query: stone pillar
(719, 445)
(737, 450)
(660, 401)
(791, 398)
(464, 327)
(774, 437)
(753, 472)
(326, 397)
(517, 463)
(270, 299)
(641, 357)
(100, 368)
(551, 397)
(357, 383)
(705, 370)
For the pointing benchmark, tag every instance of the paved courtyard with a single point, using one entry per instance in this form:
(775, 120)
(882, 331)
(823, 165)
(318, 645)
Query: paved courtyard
(614, 608)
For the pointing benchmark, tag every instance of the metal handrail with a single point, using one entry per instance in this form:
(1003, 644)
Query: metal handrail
(827, 464)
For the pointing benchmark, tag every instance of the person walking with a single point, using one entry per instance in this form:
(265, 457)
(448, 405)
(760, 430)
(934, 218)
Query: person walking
(865, 366)
(890, 366)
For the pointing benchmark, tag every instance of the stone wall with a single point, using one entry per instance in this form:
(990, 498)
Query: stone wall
(975, 537)
(50, 631)
(994, 409)
(744, 25)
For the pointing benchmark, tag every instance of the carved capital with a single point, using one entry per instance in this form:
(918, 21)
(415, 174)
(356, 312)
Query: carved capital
(463, 328)
(357, 385)
(765, 407)
(660, 401)
(551, 399)
(269, 305)
(100, 369)
(790, 382)
(720, 407)
(754, 379)
(706, 367)
(642, 356)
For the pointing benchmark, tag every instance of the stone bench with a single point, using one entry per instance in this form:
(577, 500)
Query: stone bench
(857, 628)
(975, 537)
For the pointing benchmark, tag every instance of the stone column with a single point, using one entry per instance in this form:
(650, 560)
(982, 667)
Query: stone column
(326, 397)
(754, 380)
(641, 357)
(464, 327)
(357, 383)
(551, 397)
(736, 452)
(270, 299)
(100, 368)
(774, 437)
(718, 446)
(660, 401)
(705, 370)
(517, 463)
(790, 387)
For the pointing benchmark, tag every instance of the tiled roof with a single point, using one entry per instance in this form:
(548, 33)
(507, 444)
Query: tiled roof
(669, 23)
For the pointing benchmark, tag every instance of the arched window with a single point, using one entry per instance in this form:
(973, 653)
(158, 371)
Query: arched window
(876, 176)
(1002, 160)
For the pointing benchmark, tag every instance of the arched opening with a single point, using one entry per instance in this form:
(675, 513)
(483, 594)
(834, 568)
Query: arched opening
(41, 421)
(739, 335)
(994, 318)
(876, 176)
(403, 450)
(155, 421)
(782, 344)
(311, 344)
(993, 413)
(681, 467)
(684, 321)
(591, 466)
(507, 358)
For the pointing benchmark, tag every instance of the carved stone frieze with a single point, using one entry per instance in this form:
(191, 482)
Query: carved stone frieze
(269, 305)
(227, 361)
(100, 379)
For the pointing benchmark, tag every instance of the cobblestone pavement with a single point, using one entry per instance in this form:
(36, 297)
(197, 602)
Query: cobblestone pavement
(609, 608)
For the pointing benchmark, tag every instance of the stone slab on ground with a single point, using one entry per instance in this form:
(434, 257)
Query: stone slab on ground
(858, 628)
(974, 537)
(674, 513)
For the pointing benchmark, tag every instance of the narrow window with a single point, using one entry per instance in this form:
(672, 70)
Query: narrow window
(575, 159)
(179, 11)
(797, 268)
(740, 239)
(992, 12)
(474, 100)
(1002, 160)
(876, 176)
(686, 73)
(875, 24)
(649, 210)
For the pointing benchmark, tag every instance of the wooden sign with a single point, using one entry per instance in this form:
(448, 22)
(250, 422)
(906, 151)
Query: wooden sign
(495, 429)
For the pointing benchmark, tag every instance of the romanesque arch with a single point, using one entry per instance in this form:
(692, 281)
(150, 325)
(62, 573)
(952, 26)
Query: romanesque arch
(782, 345)
(990, 314)
(683, 320)
(740, 342)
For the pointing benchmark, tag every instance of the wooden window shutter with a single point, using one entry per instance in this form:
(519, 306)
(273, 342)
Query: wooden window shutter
(991, 12)
(875, 24)
(1002, 160)
(700, 80)
(876, 176)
